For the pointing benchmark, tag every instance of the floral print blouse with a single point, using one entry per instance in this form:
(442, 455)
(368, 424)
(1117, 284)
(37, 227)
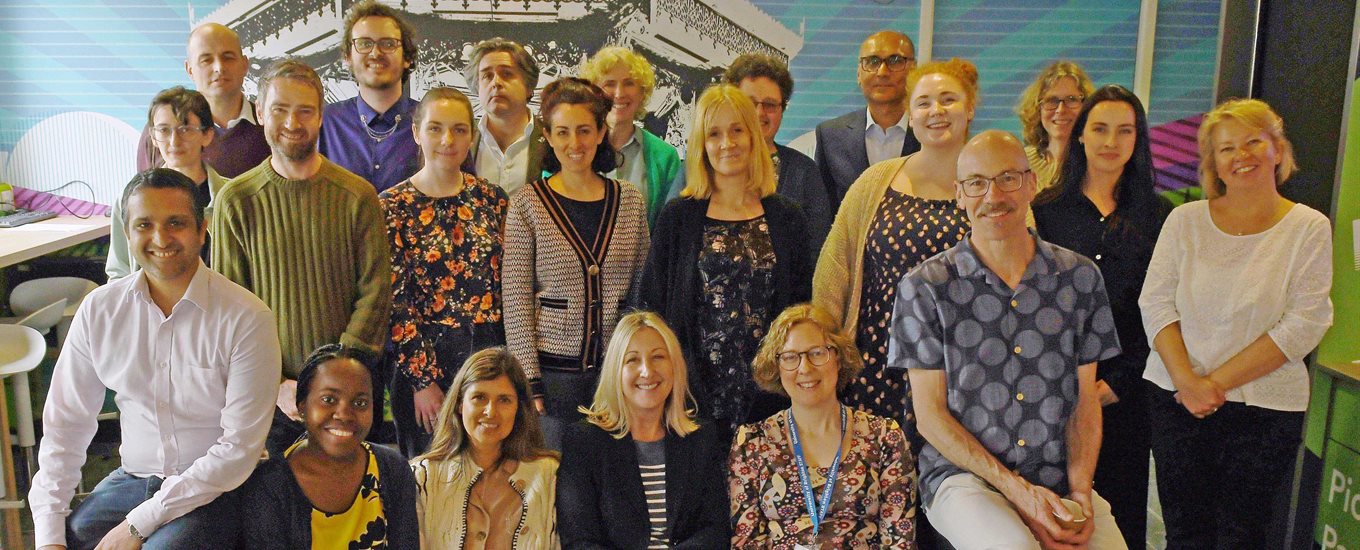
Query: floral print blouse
(446, 268)
(873, 506)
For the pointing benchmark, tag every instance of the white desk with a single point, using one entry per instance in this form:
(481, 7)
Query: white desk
(23, 243)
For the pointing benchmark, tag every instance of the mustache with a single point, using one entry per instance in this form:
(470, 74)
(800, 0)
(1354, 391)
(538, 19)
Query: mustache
(989, 208)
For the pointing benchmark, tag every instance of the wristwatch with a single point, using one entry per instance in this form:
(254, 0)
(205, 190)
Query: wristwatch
(132, 529)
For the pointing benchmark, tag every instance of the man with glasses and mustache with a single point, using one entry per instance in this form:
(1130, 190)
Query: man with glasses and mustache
(306, 236)
(370, 134)
(1000, 336)
(850, 143)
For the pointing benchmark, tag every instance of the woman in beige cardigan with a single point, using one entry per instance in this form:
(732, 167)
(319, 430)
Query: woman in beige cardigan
(897, 214)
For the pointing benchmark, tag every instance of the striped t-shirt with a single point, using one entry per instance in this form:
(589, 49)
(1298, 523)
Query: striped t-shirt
(652, 466)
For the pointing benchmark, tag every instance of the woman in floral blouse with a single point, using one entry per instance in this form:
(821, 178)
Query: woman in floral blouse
(445, 227)
(781, 469)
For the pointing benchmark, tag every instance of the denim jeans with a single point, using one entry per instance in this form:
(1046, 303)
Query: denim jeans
(213, 525)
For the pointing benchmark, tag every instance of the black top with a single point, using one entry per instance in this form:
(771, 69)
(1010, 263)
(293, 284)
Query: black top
(1121, 246)
(585, 216)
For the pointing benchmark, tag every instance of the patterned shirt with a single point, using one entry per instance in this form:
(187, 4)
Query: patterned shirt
(1010, 356)
(363, 525)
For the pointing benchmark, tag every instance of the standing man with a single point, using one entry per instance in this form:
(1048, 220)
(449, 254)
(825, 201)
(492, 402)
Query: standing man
(510, 150)
(307, 237)
(848, 144)
(1000, 336)
(193, 359)
(370, 134)
(218, 69)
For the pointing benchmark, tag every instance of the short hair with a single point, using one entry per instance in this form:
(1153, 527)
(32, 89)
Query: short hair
(698, 169)
(294, 70)
(961, 70)
(610, 409)
(765, 369)
(182, 103)
(639, 68)
(1029, 107)
(523, 61)
(1255, 114)
(450, 439)
(325, 354)
(757, 65)
(371, 8)
(163, 178)
(571, 90)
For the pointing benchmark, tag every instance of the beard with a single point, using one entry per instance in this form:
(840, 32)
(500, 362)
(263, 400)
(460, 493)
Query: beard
(296, 152)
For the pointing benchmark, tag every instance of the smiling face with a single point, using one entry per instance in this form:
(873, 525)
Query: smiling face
(1109, 137)
(997, 214)
(809, 385)
(769, 101)
(939, 110)
(180, 150)
(444, 134)
(376, 69)
(291, 116)
(488, 411)
(727, 144)
(647, 373)
(621, 87)
(501, 88)
(1244, 156)
(884, 85)
(337, 411)
(1058, 122)
(163, 234)
(574, 136)
(215, 62)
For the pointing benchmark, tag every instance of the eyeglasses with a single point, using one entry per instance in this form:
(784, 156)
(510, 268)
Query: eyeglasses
(385, 45)
(818, 356)
(1072, 102)
(1007, 181)
(896, 63)
(767, 105)
(162, 133)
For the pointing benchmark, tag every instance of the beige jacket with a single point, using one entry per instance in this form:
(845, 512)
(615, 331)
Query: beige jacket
(442, 489)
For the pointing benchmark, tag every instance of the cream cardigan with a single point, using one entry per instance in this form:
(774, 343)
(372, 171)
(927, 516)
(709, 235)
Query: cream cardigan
(442, 489)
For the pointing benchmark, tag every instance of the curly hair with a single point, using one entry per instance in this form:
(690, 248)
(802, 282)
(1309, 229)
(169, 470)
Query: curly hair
(610, 57)
(371, 8)
(1029, 107)
(765, 368)
(757, 65)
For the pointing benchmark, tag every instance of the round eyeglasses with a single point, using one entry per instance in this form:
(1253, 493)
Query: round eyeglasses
(818, 356)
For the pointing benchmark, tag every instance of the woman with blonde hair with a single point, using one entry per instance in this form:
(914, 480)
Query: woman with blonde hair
(646, 160)
(1231, 381)
(640, 471)
(729, 255)
(818, 474)
(898, 213)
(487, 477)
(1047, 109)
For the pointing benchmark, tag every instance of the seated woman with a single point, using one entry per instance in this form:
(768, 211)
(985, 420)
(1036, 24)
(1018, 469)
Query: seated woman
(818, 475)
(639, 471)
(331, 489)
(487, 481)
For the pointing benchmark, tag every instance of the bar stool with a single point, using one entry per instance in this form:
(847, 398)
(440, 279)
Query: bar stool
(42, 321)
(21, 350)
(30, 296)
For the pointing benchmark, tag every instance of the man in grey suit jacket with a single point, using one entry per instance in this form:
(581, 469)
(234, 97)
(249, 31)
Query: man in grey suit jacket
(850, 143)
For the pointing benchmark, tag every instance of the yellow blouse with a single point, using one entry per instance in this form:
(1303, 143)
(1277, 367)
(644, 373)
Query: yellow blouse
(363, 525)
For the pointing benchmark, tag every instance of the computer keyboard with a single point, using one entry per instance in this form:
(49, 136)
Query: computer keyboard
(21, 217)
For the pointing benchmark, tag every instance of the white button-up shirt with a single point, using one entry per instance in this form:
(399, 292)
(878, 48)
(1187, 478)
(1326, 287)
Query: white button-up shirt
(884, 143)
(195, 393)
(506, 169)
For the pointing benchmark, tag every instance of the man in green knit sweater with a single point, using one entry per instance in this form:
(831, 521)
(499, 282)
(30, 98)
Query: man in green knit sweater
(307, 237)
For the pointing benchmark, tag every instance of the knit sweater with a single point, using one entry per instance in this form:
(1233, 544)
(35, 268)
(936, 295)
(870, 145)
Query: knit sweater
(315, 250)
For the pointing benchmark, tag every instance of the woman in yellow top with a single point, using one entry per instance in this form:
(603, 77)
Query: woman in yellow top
(331, 490)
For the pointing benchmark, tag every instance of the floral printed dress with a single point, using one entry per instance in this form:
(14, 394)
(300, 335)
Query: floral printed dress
(873, 504)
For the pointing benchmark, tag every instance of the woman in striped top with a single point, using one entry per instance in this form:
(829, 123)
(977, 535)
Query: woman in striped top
(615, 489)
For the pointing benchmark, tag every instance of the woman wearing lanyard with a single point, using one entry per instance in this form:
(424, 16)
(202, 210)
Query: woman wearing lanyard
(817, 475)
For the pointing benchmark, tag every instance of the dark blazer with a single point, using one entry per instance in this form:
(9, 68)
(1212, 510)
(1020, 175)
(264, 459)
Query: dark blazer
(599, 491)
(276, 515)
(841, 154)
(538, 146)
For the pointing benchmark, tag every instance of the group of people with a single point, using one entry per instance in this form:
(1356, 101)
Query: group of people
(918, 337)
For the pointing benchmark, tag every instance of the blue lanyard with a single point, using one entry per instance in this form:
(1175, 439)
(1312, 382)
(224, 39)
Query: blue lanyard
(816, 509)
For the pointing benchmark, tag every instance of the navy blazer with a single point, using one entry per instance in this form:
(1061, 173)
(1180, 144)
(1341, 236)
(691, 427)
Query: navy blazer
(600, 504)
(841, 154)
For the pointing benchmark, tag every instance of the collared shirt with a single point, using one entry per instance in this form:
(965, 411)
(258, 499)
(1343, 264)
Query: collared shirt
(195, 393)
(247, 114)
(506, 169)
(884, 143)
(633, 168)
(378, 147)
(1010, 356)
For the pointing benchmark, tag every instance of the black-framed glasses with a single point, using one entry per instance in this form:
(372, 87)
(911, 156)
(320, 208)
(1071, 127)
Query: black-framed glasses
(768, 105)
(385, 45)
(1007, 181)
(818, 356)
(1072, 102)
(162, 132)
(896, 63)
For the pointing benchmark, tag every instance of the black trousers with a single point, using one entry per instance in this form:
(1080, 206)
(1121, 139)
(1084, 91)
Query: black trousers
(1122, 472)
(1219, 478)
(452, 346)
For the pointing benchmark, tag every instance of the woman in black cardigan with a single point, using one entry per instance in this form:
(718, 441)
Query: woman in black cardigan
(639, 471)
(727, 256)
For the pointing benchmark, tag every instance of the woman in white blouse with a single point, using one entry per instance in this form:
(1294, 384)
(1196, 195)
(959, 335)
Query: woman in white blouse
(1236, 295)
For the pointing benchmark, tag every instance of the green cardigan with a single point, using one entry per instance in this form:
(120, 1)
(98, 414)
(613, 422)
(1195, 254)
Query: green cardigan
(663, 163)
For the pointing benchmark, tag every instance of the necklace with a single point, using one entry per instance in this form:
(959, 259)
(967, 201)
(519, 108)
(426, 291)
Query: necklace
(379, 136)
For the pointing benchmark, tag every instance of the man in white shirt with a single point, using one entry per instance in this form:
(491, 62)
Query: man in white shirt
(509, 151)
(194, 361)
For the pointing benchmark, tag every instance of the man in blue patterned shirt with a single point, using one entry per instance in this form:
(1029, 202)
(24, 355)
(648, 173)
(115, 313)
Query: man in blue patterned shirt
(1001, 335)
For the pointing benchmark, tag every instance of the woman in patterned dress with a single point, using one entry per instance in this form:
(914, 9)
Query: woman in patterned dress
(818, 474)
(444, 226)
(897, 214)
(729, 255)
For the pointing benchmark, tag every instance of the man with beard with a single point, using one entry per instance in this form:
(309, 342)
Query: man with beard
(306, 236)
(510, 147)
(370, 134)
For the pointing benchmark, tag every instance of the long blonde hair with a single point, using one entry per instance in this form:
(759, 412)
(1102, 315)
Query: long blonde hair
(1255, 114)
(698, 168)
(525, 442)
(610, 410)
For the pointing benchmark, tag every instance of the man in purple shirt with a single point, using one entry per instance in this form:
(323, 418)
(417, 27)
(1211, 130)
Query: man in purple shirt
(370, 134)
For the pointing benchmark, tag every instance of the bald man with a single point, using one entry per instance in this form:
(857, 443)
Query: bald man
(1000, 336)
(850, 143)
(218, 68)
